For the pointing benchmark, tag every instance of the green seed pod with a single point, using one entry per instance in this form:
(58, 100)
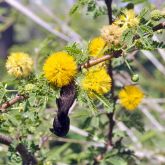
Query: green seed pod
(156, 15)
(135, 77)
(29, 87)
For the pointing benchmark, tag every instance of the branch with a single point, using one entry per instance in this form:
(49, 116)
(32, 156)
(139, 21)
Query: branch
(130, 133)
(5, 139)
(159, 26)
(24, 10)
(64, 27)
(154, 61)
(27, 157)
(152, 119)
(88, 64)
(16, 99)
(91, 63)
(138, 152)
(109, 8)
(111, 114)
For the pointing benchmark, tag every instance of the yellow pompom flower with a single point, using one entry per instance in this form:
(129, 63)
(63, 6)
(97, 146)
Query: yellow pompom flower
(127, 19)
(130, 97)
(112, 34)
(19, 64)
(60, 68)
(96, 80)
(96, 47)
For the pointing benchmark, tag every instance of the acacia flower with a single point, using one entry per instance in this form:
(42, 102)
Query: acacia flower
(19, 64)
(96, 80)
(130, 97)
(60, 68)
(96, 47)
(127, 19)
(112, 34)
(156, 15)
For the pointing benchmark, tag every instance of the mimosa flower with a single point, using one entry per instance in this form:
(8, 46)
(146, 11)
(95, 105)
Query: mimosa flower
(60, 68)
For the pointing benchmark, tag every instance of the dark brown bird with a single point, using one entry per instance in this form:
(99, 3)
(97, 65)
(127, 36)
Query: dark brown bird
(61, 122)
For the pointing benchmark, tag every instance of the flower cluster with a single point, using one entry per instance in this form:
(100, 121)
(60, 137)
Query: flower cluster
(60, 68)
(127, 20)
(19, 64)
(156, 15)
(112, 34)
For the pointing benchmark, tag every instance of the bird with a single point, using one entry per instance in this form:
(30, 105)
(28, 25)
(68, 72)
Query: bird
(61, 123)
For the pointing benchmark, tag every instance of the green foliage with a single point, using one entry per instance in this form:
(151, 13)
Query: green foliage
(79, 55)
(83, 97)
(141, 36)
(107, 102)
(132, 119)
(29, 120)
(2, 91)
(127, 37)
(135, 1)
(92, 7)
(13, 156)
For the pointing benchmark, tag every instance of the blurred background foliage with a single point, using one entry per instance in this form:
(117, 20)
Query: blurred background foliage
(142, 130)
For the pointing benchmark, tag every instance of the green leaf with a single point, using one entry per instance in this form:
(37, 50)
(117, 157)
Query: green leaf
(144, 15)
(145, 33)
(148, 135)
(135, 1)
(132, 119)
(146, 29)
(91, 7)
(127, 37)
(108, 104)
(2, 91)
(55, 153)
(116, 160)
(157, 45)
(83, 97)
(77, 53)
(81, 113)
(74, 8)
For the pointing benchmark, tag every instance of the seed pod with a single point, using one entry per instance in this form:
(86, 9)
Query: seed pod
(135, 77)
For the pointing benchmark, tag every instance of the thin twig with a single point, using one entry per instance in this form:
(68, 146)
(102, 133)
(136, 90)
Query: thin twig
(79, 131)
(90, 143)
(5, 139)
(64, 27)
(152, 119)
(132, 136)
(111, 114)
(140, 153)
(160, 50)
(155, 100)
(154, 60)
(16, 99)
(109, 8)
(150, 155)
(93, 62)
(159, 26)
(24, 10)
